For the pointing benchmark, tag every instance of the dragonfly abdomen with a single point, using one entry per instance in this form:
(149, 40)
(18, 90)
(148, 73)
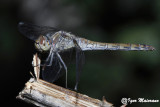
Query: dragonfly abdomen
(91, 45)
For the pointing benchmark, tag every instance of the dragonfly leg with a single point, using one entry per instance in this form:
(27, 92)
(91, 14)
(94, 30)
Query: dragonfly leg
(50, 63)
(50, 56)
(75, 88)
(43, 61)
(49, 53)
(65, 67)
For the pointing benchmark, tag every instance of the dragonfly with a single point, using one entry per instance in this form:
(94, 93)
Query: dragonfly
(54, 41)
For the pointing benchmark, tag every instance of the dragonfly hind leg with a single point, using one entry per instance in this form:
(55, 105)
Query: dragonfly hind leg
(64, 65)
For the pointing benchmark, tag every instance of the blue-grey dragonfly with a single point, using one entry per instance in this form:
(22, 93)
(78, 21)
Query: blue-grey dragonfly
(53, 41)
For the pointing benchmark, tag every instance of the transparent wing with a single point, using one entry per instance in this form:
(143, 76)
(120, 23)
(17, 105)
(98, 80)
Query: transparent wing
(52, 72)
(56, 69)
(32, 31)
(79, 63)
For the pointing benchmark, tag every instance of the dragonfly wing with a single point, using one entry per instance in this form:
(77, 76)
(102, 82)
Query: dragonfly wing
(79, 63)
(32, 31)
(51, 72)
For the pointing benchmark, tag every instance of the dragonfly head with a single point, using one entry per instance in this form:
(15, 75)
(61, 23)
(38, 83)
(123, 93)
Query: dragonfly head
(42, 44)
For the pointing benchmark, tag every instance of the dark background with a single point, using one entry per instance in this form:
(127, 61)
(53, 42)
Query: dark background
(113, 74)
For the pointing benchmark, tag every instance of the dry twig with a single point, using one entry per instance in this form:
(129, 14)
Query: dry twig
(42, 93)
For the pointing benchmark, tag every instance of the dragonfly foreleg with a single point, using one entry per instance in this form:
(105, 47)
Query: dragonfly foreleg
(64, 65)
(51, 51)
(50, 56)
(51, 60)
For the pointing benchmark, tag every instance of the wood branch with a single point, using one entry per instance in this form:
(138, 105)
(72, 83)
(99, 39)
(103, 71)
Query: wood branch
(36, 65)
(42, 93)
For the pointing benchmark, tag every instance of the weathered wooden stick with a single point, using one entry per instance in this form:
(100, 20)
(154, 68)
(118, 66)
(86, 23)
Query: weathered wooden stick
(36, 65)
(42, 93)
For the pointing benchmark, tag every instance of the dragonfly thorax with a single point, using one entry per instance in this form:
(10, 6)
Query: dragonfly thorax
(42, 44)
